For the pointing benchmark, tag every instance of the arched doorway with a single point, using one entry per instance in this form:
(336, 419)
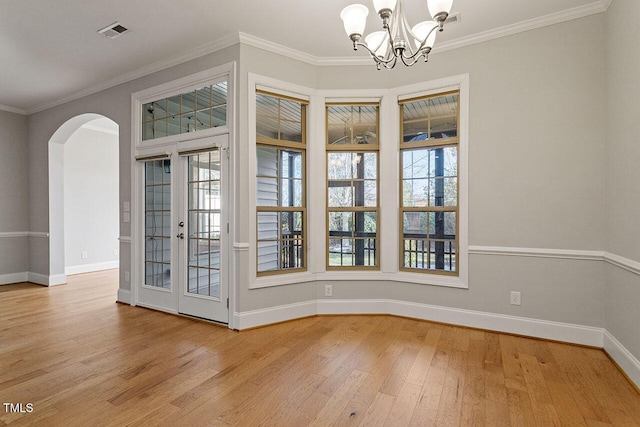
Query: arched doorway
(83, 162)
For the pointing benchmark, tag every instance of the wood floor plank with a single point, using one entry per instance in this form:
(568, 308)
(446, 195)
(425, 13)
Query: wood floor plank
(473, 399)
(336, 404)
(82, 359)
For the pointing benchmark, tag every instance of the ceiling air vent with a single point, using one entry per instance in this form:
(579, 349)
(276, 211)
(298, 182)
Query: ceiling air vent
(452, 19)
(112, 31)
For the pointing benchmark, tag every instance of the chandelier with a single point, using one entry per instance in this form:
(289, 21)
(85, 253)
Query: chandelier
(397, 40)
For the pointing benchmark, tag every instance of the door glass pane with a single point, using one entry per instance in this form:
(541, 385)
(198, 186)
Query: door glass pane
(204, 226)
(157, 216)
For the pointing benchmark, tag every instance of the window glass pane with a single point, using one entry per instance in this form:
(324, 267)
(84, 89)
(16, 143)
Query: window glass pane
(450, 191)
(290, 121)
(157, 224)
(339, 166)
(147, 112)
(147, 131)
(414, 223)
(430, 118)
(415, 192)
(352, 124)
(291, 162)
(268, 256)
(415, 125)
(370, 193)
(159, 109)
(219, 116)
(340, 222)
(340, 196)
(188, 102)
(443, 112)
(267, 161)
(188, 112)
(203, 119)
(267, 106)
(173, 125)
(429, 177)
(203, 98)
(267, 127)
(416, 253)
(341, 252)
(370, 161)
(173, 105)
(219, 94)
(159, 128)
(188, 123)
(268, 226)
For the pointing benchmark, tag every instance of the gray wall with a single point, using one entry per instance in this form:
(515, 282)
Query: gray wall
(91, 198)
(536, 178)
(114, 103)
(622, 195)
(538, 126)
(14, 187)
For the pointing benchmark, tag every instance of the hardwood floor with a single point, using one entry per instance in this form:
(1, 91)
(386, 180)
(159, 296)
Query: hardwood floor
(81, 359)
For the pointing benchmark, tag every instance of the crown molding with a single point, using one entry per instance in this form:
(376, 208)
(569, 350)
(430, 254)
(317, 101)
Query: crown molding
(206, 49)
(278, 49)
(13, 110)
(596, 7)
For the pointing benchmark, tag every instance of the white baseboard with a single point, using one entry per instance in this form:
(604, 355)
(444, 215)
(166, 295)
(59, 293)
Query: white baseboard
(88, 268)
(623, 357)
(251, 319)
(38, 279)
(7, 279)
(565, 332)
(124, 296)
(43, 279)
(558, 331)
(57, 279)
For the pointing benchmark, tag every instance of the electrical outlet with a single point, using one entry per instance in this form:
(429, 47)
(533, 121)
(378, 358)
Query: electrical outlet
(515, 298)
(126, 276)
(84, 255)
(328, 290)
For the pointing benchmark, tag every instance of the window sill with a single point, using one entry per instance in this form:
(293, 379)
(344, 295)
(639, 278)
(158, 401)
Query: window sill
(367, 276)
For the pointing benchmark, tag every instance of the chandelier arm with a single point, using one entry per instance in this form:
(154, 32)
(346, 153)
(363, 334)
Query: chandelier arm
(391, 63)
(411, 60)
(403, 42)
(378, 60)
(405, 28)
(422, 50)
(425, 40)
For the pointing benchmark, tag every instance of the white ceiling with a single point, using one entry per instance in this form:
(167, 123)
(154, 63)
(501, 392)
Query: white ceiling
(51, 51)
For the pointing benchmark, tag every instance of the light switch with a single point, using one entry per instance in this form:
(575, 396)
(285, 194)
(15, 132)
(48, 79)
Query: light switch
(126, 217)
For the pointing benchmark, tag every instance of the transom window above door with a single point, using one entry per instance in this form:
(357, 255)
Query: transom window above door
(192, 111)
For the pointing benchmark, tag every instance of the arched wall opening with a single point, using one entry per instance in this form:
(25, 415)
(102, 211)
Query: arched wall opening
(83, 197)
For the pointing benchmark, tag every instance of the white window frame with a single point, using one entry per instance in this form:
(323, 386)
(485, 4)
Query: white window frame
(388, 181)
(195, 81)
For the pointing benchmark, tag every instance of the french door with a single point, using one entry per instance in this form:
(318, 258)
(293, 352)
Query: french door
(185, 233)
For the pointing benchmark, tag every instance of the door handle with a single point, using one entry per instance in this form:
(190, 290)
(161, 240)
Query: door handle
(180, 236)
(181, 224)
